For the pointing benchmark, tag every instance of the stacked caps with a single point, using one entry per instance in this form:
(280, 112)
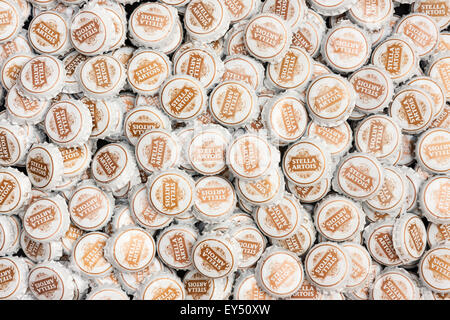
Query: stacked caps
(207, 149)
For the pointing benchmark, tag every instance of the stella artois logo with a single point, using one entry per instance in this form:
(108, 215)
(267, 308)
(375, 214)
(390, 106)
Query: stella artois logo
(137, 128)
(306, 291)
(416, 236)
(250, 156)
(236, 7)
(88, 207)
(156, 152)
(249, 248)
(5, 153)
(376, 134)
(346, 47)
(386, 194)
(444, 230)
(328, 98)
(45, 286)
(384, 241)
(151, 20)
(338, 219)
(72, 63)
(326, 264)
(70, 154)
(440, 267)
(330, 134)
(370, 7)
(262, 187)
(304, 162)
(171, 193)
(358, 178)
(289, 118)
(433, 8)
(443, 196)
(197, 287)
(101, 71)
(87, 31)
(195, 65)
(391, 290)
(13, 72)
(168, 293)
(411, 109)
(73, 233)
(438, 150)
(278, 217)
(281, 8)
(212, 258)
(6, 188)
(134, 249)
(38, 167)
(237, 74)
(6, 18)
(282, 273)
(213, 195)
(368, 88)
(203, 14)
(417, 34)
(287, 67)
(39, 75)
(147, 70)
(393, 59)
(62, 121)
(93, 254)
(46, 31)
(265, 36)
(179, 248)
(182, 99)
(41, 218)
(108, 163)
(301, 40)
(231, 103)
(6, 276)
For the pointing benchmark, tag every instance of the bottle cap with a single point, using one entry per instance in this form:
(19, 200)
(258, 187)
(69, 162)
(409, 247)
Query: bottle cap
(182, 97)
(293, 71)
(90, 208)
(42, 77)
(433, 150)
(48, 33)
(434, 202)
(121, 217)
(306, 162)
(216, 255)
(397, 56)
(89, 30)
(264, 191)
(379, 243)
(437, 233)
(214, 199)
(157, 149)
(13, 284)
(233, 103)
(438, 70)
(330, 99)
(107, 292)
(282, 220)
(8, 234)
(142, 118)
(19, 44)
(338, 139)
(161, 286)
(206, 20)
(293, 12)
(302, 240)
(338, 218)
(199, 61)
(105, 115)
(435, 90)
(412, 108)
(245, 157)
(130, 249)
(361, 265)
(205, 149)
(131, 281)
(87, 255)
(328, 266)
(252, 242)
(12, 22)
(312, 193)
(71, 62)
(11, 67)
(346, 47)
(40, 251)
(141, 211)
(15, 190)
(45, 166)
(68, 123)
(51, 281)
(14, 245)
(279, 272)
(373, 87)
(394, 284)
(443, 119)
(109, 280)
(437, 9)
(152, 25)
(114, 166)
(433, 268)
(101, 77)
(422, 30)
(331, 7)
(21, 109)
(267, 37)
(69, 239)
(76, 160)
(247, 288)
(309, 33)
(363, 292)
(47, 219)
(372, 15)
(234, 40)
(241, 67)
(171, 192)
(409, 237)
(174, 246)
(175, 40)
(118, 18)
(359, 176)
